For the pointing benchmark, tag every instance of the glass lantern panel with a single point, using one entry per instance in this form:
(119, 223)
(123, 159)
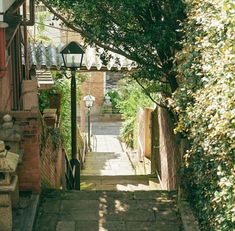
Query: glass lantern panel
(89, 103)
(73, 60)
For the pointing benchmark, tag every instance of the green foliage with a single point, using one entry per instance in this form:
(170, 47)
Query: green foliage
(61, 86)
(205, 103)
(41, 17)
(146, 31)
(55, 135)
(114, 98)
(131, 98)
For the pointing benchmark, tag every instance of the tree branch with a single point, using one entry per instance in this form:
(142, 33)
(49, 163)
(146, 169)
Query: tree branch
(148, 94)
(86, 34)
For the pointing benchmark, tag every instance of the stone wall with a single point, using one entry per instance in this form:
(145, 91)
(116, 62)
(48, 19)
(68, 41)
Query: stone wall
(144, 132)
(168, 151)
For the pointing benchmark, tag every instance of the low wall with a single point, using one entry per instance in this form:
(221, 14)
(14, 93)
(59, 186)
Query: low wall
(29, 169)
(51, 164)
(144, 132)
(41, 162)
(168, 151)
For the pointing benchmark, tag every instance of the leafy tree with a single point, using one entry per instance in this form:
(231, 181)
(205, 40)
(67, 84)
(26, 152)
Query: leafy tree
(145, 31)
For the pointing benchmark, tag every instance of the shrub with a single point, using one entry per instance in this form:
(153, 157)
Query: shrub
(205, 103)
(131, 98)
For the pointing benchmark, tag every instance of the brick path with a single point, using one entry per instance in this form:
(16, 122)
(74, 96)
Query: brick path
(108, 210)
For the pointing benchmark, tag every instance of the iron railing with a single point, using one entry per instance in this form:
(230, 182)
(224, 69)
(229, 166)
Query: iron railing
(67, 172)
(70, 172)
(71, 168)
(83, 151)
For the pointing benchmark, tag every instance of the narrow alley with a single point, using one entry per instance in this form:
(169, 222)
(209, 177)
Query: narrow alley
(112, 197)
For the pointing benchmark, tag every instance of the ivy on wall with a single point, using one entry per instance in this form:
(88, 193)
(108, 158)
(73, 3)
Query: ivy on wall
(61, 86)
(205, 104)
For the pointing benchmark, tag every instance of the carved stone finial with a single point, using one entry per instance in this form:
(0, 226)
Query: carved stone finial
(7, 124)
(7, 118)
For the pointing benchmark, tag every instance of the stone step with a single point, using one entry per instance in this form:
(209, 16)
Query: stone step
(107, 163)
(108, 211)
(119, 183)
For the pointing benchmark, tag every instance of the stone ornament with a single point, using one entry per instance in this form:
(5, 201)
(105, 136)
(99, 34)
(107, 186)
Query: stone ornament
(8, 160)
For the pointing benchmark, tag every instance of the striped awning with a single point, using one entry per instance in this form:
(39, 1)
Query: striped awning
(48, 57)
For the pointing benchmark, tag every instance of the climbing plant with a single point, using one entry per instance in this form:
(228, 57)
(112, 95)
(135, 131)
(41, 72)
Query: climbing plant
(205, 103)
(61, 86)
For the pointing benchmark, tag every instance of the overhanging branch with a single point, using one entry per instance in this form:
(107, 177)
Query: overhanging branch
(148, 94)
(85, 34)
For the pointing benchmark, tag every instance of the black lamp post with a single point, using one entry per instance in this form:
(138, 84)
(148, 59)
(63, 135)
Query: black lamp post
(72, 55)
(89, 99)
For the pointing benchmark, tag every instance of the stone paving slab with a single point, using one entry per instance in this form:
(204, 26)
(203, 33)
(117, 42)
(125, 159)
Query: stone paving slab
(65, 225)
(24, 214)
(108, 211)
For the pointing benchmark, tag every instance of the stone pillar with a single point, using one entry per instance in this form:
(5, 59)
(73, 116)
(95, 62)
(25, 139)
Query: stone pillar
(6, 212)
(30, 95)
(10, 134)
(8, 182)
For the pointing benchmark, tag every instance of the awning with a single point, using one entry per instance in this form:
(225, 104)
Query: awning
(48, 57)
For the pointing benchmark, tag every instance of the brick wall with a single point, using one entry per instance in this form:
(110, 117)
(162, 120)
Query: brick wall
(94, 85)
(51, 164)
(29, 169)
(38, 168)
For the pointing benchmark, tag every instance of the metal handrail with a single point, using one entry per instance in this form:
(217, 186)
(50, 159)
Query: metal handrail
(94, 143)
(67, 172)
(84, 151)
(71, 168)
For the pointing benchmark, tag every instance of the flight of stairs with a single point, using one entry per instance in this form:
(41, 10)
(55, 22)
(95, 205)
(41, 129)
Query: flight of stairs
(108, 211)
(110, 202)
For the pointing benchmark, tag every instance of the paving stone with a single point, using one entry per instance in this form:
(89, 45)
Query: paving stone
(82, 195)
(141, 226)
(80, 205)
(112, 226)
(105, 208)
(140, 215)
(51, 206)
(83, 225)
(77, 215)
(46, 222)
(65, 226)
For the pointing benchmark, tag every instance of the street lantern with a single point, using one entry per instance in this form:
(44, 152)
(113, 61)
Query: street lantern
(107, 100)
(89, 99)
(72, 55)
